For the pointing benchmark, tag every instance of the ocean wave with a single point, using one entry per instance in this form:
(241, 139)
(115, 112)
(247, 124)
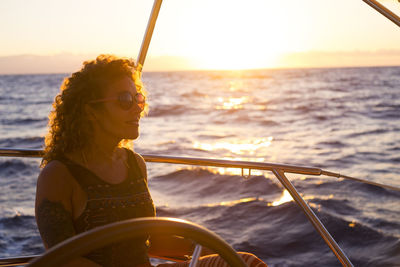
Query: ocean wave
(373, 190)
(383, 114)
(345, 119)
(192, 94)
(18, 221)
(395, 148)
(13, 164)
(223, 75)
(343, 161)
(10, 168)
(268, 123)
(169, 110)
(23, 121)
(252, 226)
(214, 136)
(395, 159)
(20, 236)
(12, 99)
(212, 187)
(35, 142)
(339, 207)
(335, 144)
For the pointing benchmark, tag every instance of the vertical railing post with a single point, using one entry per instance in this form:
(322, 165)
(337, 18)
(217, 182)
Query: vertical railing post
(312, 217)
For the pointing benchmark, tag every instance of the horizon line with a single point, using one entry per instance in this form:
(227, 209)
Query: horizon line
(65, 62)
(223, 70)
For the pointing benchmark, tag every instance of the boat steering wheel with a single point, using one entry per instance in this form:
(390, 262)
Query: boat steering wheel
(101, 236)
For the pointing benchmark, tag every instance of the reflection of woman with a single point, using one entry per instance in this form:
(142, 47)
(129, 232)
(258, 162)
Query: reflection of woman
(90, 178)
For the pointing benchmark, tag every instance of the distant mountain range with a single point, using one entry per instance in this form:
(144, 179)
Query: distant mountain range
(341, 59)
(25, 64)
(68, 63)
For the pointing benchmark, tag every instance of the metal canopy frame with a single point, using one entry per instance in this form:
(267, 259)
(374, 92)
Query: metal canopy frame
(148, 34)
(384, 11)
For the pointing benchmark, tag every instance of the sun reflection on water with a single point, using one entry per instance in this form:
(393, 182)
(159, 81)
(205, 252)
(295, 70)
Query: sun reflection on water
(235, 85)
(232, 202)
(237, 147)
(231, 103)
(285, 197)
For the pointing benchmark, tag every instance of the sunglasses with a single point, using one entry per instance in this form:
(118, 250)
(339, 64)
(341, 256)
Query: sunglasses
(125, 100)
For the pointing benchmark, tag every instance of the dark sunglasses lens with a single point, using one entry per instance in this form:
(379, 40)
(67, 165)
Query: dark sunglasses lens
(125, 100)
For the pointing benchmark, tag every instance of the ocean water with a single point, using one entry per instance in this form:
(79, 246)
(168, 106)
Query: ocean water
(344, 120)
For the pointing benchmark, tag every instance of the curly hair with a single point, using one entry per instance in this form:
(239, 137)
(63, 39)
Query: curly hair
(70, 128)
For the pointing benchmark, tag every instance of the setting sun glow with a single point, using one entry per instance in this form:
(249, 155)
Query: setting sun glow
(239, 37)
(208, 34)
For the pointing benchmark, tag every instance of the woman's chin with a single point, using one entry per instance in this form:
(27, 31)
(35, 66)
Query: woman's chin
(132, 135)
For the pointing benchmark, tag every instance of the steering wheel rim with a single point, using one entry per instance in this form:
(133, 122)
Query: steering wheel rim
(101, 236)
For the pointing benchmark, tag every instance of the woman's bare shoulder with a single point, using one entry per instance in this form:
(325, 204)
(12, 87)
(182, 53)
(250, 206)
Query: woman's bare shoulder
(141, 162)
(139, 158)
(54, 170)
(54, 181)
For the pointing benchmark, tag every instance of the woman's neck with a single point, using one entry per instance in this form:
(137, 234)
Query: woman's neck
(101, 151)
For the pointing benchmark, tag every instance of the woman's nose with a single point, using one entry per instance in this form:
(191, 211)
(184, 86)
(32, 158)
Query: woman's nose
(137, 108)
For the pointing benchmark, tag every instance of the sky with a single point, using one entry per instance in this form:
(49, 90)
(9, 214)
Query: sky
(197, 34)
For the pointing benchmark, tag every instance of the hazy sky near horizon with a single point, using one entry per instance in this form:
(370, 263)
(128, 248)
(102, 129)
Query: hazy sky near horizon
(208, 33)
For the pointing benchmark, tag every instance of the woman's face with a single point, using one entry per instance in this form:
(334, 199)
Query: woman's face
(113, 120)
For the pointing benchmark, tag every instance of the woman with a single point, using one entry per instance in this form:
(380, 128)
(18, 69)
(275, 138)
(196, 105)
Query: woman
(90, 177)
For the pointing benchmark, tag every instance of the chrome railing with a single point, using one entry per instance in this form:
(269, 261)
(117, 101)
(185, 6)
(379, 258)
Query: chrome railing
(278, 170)
(32, 153)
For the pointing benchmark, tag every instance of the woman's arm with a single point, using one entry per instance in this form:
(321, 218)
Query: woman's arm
(54, 221)
(53, 208)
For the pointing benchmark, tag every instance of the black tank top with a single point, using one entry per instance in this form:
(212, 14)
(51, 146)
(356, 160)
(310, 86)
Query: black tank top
(108, 203)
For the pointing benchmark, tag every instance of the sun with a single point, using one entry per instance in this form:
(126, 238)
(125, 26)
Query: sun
(234, 57)
(238, 37)
(235, 47)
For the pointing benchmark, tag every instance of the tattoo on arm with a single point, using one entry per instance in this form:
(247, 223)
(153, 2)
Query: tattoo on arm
(54, 222)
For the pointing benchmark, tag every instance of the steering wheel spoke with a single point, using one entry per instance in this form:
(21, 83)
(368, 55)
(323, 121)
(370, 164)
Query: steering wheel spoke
(196, 255)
